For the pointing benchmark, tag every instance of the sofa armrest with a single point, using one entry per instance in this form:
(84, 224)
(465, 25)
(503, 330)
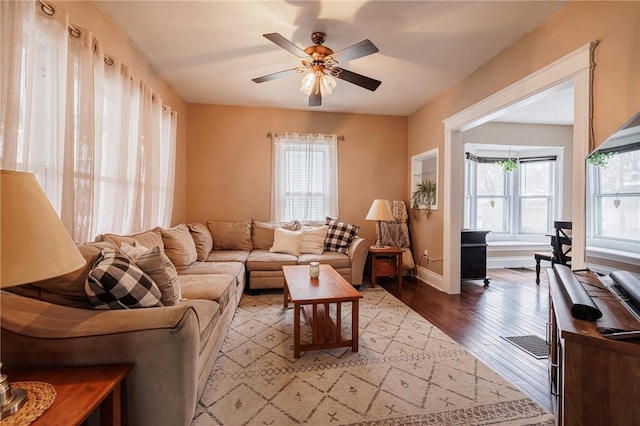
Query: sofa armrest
(161, 343)
(358, 251)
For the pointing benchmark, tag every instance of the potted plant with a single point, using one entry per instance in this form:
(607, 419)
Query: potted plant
(424, 196)
(600, 159)
(508, 165)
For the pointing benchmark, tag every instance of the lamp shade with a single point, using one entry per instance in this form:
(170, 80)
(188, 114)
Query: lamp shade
(34, 244)
(380, 210)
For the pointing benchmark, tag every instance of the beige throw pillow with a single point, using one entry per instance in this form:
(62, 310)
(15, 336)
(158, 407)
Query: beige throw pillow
(133, 251)
(262, 232)
(159, 268)
(203, 239)
(150, 238)
(313, 239)
(179, 246)
(285, 241)
(231, 235)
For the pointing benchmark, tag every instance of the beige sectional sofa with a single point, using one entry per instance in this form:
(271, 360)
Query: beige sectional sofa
(173, 348)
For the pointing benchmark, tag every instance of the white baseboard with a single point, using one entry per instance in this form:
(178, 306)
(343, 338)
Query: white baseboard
(430, 278)
(513, 262)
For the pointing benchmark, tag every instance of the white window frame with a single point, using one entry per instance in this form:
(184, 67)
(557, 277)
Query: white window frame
(280, 192)
(513, 200)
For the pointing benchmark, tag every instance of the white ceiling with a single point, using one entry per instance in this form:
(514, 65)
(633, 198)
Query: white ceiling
(552, 106)
(210, 50)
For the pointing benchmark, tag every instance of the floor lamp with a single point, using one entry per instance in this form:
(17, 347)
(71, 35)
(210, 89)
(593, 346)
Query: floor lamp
(380, 211)
(34, 246)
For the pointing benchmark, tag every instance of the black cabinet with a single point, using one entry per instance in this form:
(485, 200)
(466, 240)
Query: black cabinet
(473, 255)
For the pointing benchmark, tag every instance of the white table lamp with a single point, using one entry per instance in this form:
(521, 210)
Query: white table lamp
(380, 211)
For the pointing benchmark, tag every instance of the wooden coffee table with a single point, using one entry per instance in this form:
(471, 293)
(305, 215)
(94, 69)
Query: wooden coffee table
(315, 296)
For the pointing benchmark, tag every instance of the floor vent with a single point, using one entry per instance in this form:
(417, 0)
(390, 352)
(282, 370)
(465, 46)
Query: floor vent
(533, 345)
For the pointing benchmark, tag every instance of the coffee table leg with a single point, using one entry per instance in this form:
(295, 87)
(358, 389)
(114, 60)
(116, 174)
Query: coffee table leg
(354, 325)
(399, 269)
(296, 330)
(286, 295)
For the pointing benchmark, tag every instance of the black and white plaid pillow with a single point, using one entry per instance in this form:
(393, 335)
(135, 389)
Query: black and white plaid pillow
(339, 235)
(115, 282)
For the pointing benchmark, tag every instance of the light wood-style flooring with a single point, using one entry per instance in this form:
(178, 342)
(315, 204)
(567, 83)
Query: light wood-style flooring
(479, 318)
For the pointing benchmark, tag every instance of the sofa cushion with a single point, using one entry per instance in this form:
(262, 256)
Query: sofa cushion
(228, 256)
(67, 289)
(218, 287)
(150, 238)
(313, 239)
(262, 232)
(115, 282)
(231, 235)
(339, 235)
(203, 239)
(179, 246)
(208, 268)
(155, 263)
(336, 260)
(264, 260)
(286, 242)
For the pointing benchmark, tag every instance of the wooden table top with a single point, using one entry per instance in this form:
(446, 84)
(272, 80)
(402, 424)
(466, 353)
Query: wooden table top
(329, 287)
(79, 390)
(385, 250)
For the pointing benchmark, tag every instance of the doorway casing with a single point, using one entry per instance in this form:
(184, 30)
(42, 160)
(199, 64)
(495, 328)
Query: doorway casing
(576, 66)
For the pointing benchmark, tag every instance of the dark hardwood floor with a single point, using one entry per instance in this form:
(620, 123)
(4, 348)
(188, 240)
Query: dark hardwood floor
(479, 318)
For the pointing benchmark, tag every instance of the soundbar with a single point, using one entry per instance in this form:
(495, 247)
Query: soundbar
(581, 304)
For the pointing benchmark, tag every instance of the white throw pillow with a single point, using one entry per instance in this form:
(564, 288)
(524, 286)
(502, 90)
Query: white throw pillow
(285, 241)
(313, 239)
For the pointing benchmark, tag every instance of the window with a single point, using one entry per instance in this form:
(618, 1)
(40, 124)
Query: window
(518, 202)
(305, 183)
(617, 197)
(96, 137)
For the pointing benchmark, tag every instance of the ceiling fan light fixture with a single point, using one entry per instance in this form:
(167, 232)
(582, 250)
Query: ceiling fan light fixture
(308, 83)
(327, 83)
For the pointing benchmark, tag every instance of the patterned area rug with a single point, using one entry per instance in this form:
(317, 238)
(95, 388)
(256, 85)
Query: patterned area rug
(407, 372)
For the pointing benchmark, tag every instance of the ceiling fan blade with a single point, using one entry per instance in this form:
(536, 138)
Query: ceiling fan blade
(358, 50)
(273, 76)
(285, 44)
(358, 79)
(315, 98)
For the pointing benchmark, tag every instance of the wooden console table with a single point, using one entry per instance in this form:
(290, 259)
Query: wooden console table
(80, 390)
(595, 380)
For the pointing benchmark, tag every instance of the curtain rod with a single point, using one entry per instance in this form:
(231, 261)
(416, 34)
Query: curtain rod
(74, 31)
(270, 135)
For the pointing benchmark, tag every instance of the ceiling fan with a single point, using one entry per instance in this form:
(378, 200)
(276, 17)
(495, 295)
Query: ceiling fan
(320, 64)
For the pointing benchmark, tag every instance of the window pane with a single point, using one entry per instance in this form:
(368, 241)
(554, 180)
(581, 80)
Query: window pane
(490, 179)
(621, 222)
(536, 178)
(622, 174)
(534, 215)
(491, 218)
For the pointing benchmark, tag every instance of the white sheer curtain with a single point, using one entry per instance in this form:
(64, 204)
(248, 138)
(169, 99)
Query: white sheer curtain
(99, 141)
(34, 68)
(305, 177)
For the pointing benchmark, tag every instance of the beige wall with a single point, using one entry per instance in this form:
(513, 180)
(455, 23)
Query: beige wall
(229, 160)
(616, 85)
(86, 14)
